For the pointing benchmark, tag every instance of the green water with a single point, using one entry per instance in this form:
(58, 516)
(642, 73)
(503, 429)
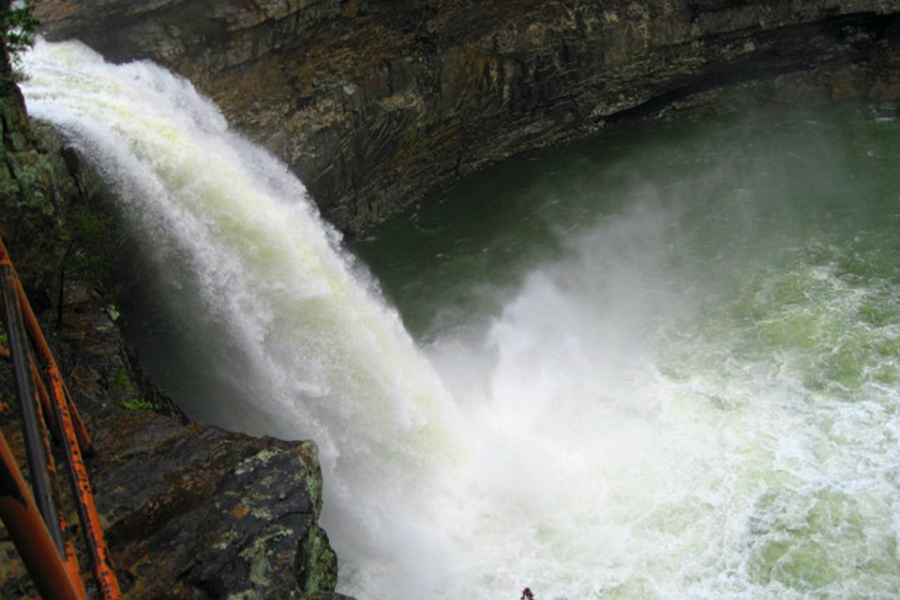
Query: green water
(825, 179)
(697, 327)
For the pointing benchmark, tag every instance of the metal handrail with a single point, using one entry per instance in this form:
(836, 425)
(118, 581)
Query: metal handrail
(70, 431)
(38, 460)
(29, 533)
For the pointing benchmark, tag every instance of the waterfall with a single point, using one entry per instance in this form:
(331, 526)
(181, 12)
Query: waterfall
(297, 344)
(692, 395)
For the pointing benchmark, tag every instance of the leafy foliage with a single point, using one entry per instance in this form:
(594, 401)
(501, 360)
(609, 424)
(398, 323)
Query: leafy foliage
(21, 27)
(135, 404)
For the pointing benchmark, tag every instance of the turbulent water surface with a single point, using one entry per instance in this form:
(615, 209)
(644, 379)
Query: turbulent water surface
(663, 365)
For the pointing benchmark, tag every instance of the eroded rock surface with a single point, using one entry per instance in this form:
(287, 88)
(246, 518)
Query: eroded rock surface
(375, 104)
(196, 512)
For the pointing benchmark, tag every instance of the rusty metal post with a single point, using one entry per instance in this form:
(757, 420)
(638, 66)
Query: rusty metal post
(38, 383)
(40, 342)
(87, 510)
(69, 433)
(43, 396)
(38, 459)
(29, 533)
(84, 498)
(70, 557)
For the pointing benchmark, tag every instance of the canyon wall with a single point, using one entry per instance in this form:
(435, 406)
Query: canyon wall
(375, 104)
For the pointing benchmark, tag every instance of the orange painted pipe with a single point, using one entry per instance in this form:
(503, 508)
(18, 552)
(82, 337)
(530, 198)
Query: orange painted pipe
(70, 558)
(84, 438)
(40, 342)
(87, 510)
(69, 435)
(35, 409)
(36, 443)
(29, 533)
(43, 396)
(72, 567)
(38, 383)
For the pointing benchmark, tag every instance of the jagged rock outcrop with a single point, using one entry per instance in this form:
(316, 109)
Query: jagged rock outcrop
(195, 512)
(375, 104)
(191, 511)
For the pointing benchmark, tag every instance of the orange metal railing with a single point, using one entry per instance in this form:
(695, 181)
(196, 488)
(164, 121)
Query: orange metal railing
(36, 526)
(29, 533)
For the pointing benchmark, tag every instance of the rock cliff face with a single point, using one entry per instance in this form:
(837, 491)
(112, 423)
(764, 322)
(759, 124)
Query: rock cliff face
(375, 103)
(191, 512)
(194, 512)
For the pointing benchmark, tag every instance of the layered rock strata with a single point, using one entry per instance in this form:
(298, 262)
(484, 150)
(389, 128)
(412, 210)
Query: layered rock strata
(375, 104)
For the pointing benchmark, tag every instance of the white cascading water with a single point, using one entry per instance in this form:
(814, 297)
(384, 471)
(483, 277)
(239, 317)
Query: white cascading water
(238, 247)
(627, 428)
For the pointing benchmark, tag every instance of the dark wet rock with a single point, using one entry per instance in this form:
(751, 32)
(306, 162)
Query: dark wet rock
(375, 104)
(196, 512)
(329, 596)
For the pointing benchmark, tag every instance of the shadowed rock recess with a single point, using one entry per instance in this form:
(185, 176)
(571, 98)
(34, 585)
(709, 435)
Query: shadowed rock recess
(191, 512)
(377, 104)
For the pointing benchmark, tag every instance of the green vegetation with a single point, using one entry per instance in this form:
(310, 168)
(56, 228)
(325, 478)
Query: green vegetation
(20, 26)
(32, 172)
(121, 384)
(121, 380)
(136, 404)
